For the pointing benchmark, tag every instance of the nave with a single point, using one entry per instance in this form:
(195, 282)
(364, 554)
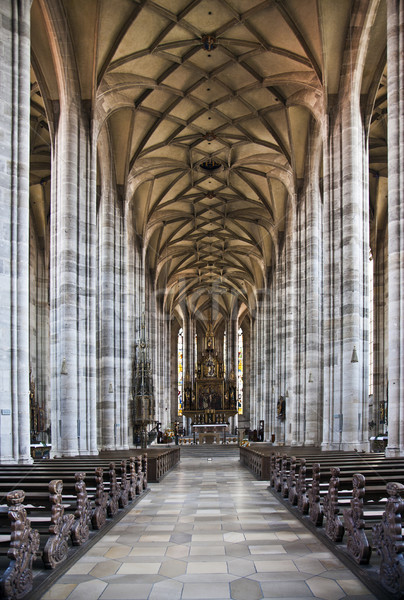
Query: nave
(209, 530)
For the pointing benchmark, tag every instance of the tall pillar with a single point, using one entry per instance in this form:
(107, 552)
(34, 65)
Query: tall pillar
(106, 339)
(14, 221)
(73, 347)
(73, 254)
(346, 254)
(312, 371)
(395, 85)
(292, 414)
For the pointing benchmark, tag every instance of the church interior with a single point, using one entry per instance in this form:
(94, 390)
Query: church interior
(203, 226)
(182, 168)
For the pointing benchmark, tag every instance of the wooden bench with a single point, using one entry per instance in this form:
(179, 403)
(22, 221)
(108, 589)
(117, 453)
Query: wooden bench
(368, 516)
(60, 518)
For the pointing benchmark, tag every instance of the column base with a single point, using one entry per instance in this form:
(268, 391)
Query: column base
(346, 446)
(393, 452)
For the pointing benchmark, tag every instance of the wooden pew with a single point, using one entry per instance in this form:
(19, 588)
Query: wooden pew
(59, 519)
(23, 545)
(351, 513)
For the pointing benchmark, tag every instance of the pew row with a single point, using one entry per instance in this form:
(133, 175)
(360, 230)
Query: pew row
(362, 524)
(45, 525)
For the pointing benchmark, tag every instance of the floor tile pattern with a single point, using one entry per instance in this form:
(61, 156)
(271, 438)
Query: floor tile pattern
(209, 530)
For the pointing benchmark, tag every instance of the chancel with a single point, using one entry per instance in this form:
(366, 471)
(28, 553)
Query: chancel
(210, 400)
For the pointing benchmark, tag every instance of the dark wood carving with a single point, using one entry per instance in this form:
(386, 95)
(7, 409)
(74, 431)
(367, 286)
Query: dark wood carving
(139, 483)
(144, 469)
(301, 489)
(17, 579)
(315, 509)
(292, 493)
(124, 489)
(132, 478)
(357, 542)
(334, 527)
(284, 476)
(113, 491)
(99, 515)
(81, 526)
(272, 469)
(57, 545)
(388, 540)
(277, 473)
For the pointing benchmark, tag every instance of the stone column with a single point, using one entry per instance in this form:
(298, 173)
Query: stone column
(106, 295)
(345, 330)
(380, 343)
(291, 430)
(73, 348)
(312, 272)
(131, 317)
(122, 372)
(395, 85)
(14, 219)
(73, 254)
(346, 235)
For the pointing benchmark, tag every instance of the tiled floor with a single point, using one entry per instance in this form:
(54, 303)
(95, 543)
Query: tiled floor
(209, 530)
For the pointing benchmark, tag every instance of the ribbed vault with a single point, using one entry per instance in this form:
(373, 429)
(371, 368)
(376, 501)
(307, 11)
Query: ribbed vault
(209, 107)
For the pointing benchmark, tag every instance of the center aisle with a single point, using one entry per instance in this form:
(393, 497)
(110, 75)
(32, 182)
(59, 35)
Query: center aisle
(208, 530)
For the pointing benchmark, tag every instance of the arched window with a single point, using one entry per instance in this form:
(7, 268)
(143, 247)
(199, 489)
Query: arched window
(180, 347)
(240, 373)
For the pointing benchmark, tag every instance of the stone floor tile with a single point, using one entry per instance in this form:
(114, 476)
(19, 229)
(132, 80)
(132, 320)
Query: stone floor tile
(353, 587)
(207, 567)
(207, 537)
(243, 589)
(287, 589)
(104, 569)
(241, 567)
(125, 591)
(275, 566)
(59, 591)
(325, 588)
(286, 536)
(309, 565)
(239, 550)
(205, 591)
(233, 537)
(277, 576)
(80, 568)
(90, 590)
(206, 550)
(141, 550)
(133, 568)
(166, 590)
(117, 551)
(173, 568)
(180, 551)
(154, 537)
(180, 538)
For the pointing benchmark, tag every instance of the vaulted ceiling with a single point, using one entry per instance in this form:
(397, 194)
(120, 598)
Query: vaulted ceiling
(208, 106)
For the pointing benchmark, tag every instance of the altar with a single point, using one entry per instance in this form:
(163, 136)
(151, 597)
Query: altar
(211, 434)
(210, 398)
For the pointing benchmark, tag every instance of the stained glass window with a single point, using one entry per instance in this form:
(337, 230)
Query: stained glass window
(240, 372)
(180, 369)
